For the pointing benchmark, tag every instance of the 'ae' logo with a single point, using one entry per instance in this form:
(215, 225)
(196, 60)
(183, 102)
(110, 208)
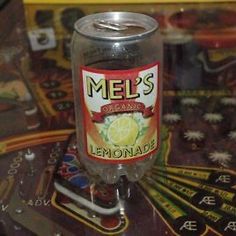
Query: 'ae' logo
(231, 226)
(227, 226)
(224, 179)
(189, 226)
(206, 201)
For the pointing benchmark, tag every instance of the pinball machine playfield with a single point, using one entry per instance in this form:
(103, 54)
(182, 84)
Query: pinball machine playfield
(191, 189)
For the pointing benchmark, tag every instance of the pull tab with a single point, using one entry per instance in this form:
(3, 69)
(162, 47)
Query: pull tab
(102, 24)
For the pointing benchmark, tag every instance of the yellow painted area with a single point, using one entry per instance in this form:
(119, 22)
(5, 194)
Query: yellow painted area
(221, 54)
(157, 211)
(54, 203)
(15, 143)
(207, 168)
(168, 148)
(11, 181)
(36, 142)
(185, 172)
(228, 208)
(3, 147)
(172, 210)
(3, 187)
(117, 1)
(222, 193)
(39, 135)
(57, 56)
(44, 104)
(209, 214)
(178, 187)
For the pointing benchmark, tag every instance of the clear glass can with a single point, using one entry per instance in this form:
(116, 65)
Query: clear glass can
(117, 66)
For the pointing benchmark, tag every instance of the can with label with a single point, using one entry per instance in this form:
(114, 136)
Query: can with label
(117, 60)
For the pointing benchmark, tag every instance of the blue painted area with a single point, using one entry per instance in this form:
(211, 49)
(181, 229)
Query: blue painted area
(73, 169)
(80, 180)
(68, 158)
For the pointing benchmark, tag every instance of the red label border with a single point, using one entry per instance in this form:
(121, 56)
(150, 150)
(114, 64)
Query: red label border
(158, 114)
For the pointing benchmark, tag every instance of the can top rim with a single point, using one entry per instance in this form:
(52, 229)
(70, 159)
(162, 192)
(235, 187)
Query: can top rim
(116, 26)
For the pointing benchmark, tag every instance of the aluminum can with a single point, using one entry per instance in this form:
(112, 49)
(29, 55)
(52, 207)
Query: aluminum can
(117, 65)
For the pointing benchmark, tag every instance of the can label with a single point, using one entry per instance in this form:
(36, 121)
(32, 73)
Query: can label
(121, 113)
